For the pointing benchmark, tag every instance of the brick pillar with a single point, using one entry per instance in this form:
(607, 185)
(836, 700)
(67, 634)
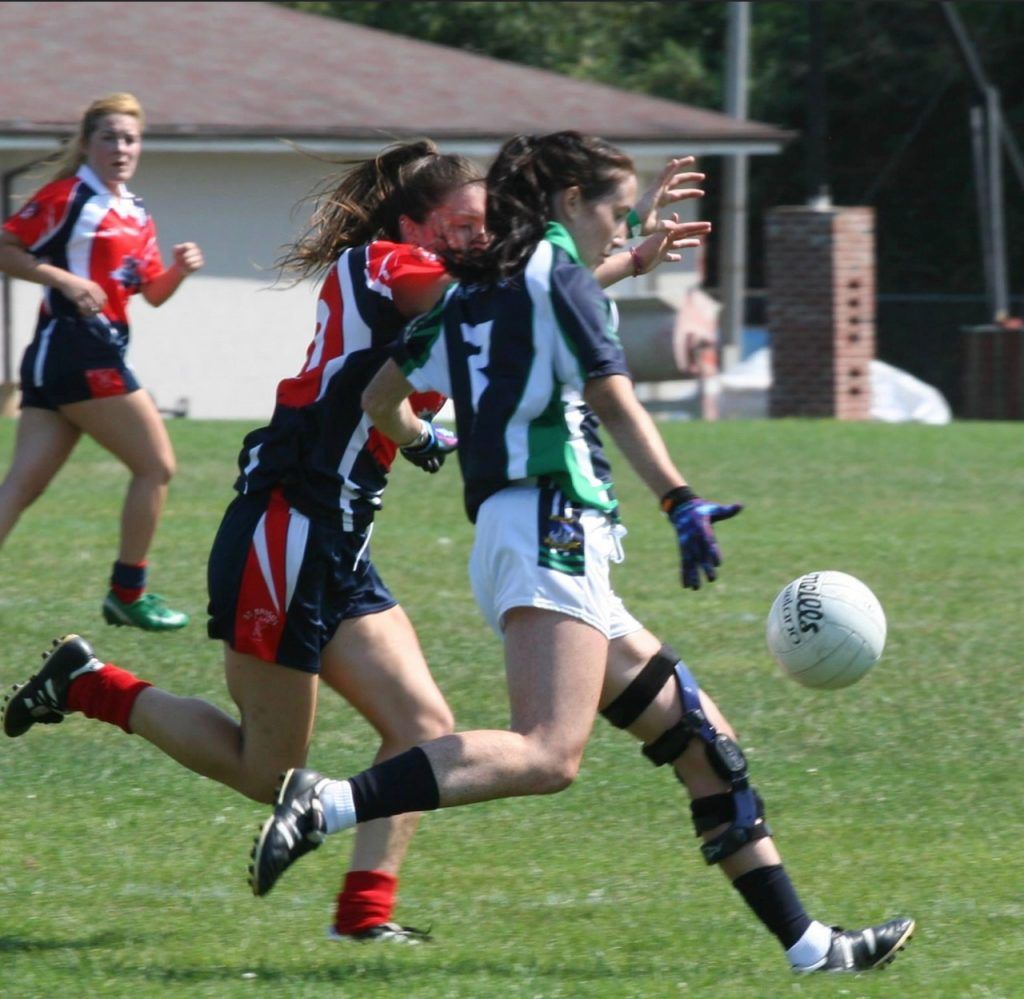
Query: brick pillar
(820, 265)
(993, 376)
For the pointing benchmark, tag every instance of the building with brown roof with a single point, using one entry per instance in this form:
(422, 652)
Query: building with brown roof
(226, 88)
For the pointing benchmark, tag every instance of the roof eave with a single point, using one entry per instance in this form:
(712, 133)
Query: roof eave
(227, 139)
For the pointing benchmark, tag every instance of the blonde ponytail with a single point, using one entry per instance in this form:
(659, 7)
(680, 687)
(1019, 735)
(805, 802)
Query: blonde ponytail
(73, 154)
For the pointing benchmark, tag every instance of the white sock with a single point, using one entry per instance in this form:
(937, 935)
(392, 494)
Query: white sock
(339, 808)
(812, 948)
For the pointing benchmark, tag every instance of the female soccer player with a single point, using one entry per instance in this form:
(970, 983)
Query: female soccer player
(526, 346)
(92, 244)
(294, 595)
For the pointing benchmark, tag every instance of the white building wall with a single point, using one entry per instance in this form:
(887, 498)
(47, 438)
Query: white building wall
(225, 339)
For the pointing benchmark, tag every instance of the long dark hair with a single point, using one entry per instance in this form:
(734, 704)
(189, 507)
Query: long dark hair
(365, 201)
(521, 183)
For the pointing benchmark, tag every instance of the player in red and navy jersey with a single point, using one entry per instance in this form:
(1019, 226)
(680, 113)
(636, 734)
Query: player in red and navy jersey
(294, 594)
(319, 447)
(92, 245)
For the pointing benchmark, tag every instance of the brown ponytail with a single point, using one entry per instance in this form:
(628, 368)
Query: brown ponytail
(366, 201)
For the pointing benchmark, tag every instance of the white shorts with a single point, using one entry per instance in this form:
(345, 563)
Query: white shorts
(534, 549)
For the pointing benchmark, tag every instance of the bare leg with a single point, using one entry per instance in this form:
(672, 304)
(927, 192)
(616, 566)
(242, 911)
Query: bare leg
(626, 658)
(277, 707)
(554, 668)
(376, 664)
(131, 428)
(43, 443)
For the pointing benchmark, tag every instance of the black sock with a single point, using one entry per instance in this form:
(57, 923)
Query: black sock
(405, 783)
(770, 893)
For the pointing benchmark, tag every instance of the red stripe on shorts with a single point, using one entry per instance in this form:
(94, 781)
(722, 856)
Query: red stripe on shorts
(259, 619)
(104, 382)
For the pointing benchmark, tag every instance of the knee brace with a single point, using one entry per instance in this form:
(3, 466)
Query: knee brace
(741, 806)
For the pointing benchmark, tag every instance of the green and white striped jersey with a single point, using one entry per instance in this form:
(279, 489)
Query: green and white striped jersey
(514, 357)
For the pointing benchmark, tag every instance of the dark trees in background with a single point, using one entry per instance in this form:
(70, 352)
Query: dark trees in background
(897, 105)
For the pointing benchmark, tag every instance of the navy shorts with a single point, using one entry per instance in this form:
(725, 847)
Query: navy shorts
(71, 360)
(281, 583)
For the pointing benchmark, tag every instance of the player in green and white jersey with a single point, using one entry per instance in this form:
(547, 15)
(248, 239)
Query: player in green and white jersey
(526, 346)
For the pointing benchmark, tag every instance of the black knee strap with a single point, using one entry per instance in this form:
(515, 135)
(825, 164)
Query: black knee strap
(743, 809)
(670, 745)
(717, 809)
(643, 688)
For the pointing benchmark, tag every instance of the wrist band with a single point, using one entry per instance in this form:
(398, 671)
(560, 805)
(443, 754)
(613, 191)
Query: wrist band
(633, 223)
(635, 257)
(681, 494)
(420, 439)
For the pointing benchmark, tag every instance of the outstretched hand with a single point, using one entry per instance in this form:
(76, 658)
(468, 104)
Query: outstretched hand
(669, 238)
(673, 184)
(698, 547)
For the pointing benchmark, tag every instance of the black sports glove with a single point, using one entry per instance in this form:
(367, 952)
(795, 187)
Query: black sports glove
(430, 449)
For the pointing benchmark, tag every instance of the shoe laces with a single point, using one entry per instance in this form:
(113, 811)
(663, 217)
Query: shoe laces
(151, 600)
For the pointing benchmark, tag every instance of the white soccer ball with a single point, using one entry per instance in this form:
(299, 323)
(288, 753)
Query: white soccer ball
(826, 629)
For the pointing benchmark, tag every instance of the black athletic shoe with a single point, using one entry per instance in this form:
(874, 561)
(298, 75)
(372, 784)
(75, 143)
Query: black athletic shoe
(296, 827)
(42, 699)
(384, 933)
(862, 950)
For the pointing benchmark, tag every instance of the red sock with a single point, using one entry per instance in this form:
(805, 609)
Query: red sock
(126, 595)
(366, 900)
(128, 581)
(107, 694)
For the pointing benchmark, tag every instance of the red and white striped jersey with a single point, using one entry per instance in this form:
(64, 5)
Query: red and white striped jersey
(319, 445)
(80, 225)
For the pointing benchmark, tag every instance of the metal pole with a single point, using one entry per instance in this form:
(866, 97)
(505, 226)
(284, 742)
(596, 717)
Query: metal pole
(733, 247)
(1012, 150)
(818, 194)
(981, 179)
(997, 227)
(963, 41)
(988, 171)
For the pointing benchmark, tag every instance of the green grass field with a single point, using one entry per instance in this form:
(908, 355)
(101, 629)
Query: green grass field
(124, 876)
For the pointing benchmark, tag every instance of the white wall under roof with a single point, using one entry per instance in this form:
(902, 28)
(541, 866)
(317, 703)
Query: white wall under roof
(226, 338)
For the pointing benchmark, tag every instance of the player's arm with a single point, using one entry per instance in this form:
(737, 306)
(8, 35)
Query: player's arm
(413, 298)
(188, 258)
(18, 262)
(386, 401)
(631, 427)
(612, 398)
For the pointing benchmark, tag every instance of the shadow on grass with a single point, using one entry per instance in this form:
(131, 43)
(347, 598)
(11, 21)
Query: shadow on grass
(26, 945)
(387, 971)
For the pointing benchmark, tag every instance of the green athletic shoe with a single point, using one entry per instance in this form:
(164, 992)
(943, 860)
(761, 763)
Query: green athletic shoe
(150, 613)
